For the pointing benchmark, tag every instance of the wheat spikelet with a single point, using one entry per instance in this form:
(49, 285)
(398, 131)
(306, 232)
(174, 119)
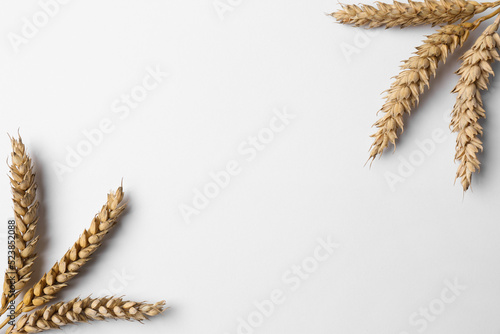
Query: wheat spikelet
(411, 14)
(468, 109)
(26, 217)
(67, 268)
(84, 310)
(411, 82)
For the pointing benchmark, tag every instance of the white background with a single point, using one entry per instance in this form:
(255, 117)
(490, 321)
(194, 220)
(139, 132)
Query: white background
(398, 245)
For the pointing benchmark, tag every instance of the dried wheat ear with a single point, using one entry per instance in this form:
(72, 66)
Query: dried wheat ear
(45, 290)
(403, 95)
(23, 185)
(84, 310)
(397, 14)
(474, 77)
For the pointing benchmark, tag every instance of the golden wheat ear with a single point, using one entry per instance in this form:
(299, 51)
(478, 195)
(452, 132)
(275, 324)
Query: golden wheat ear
(79, 254)
(22, 247)
(84, 310)
(402, 15)
(416, 72)
(474, 77)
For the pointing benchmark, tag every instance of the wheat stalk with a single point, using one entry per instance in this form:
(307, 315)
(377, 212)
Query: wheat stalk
(84, 310)
(411, 14)
(411, 82)
(23, 186)
(468, 109)
(67, 268)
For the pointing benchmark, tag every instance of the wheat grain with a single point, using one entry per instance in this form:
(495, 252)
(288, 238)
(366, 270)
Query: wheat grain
(67, 268)
(411, 14)
(84, 310)
(23, 186)
(411, 82)
(474, 77)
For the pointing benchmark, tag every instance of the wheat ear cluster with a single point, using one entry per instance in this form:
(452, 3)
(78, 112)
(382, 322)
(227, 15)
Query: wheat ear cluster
(22, 179)
(474, 77)
(411, 82)
(410, 14)
(84, 310)
(21, 249)
(79, 254)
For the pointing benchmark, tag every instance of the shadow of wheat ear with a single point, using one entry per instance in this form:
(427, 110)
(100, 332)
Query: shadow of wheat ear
(35, 315)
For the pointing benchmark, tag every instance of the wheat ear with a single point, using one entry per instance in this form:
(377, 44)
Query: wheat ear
(468, 109)
(67, 268)
(84, 310)
(411, 82)
(411, 14)
(23, 186)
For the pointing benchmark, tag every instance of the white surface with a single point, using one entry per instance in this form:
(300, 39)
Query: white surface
(226, 77)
